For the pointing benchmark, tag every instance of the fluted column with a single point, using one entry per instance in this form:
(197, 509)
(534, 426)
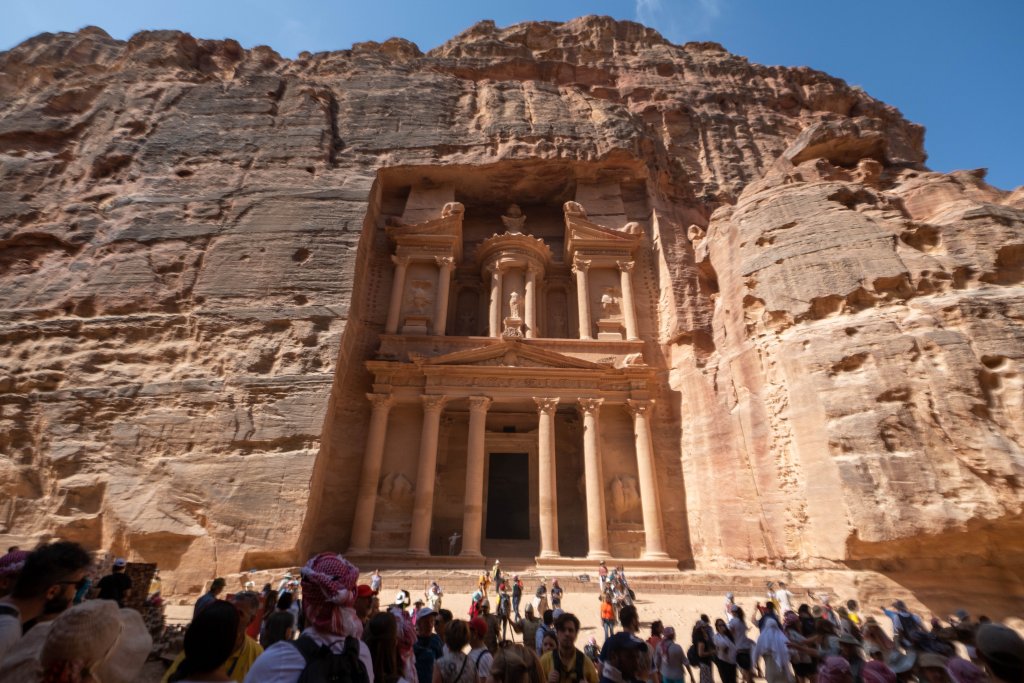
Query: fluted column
(653, 536)
(547, 498)
(495, 319)
(580, 267)
(531, 302)
(426, 471)
(445, 265)
(366, 500)
(473, 514)
(597, 527)
(628, 310)
(397, 291)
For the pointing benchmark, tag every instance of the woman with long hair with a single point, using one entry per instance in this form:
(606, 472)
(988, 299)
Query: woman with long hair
(455, 666)
(209, 642)
(738, 627)
(382, 639)
(725, 652)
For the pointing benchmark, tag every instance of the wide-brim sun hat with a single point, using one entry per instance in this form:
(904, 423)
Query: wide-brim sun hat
(113, 641)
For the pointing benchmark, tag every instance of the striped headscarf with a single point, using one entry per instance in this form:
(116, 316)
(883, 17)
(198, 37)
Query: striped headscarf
(329, 593)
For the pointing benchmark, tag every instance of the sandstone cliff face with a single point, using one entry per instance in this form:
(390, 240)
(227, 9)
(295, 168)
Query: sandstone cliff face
(182, 223)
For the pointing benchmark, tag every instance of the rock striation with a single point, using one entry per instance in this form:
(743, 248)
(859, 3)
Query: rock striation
(184, 233)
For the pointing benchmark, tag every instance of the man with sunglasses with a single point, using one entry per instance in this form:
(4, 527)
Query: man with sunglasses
(46, 586)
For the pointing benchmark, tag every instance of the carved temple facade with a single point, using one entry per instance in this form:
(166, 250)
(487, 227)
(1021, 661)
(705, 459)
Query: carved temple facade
(511, 404)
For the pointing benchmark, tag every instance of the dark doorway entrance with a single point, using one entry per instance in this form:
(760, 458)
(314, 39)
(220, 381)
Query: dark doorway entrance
(507, 488)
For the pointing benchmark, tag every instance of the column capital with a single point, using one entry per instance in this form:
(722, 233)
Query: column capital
(532, 270)
(381, 400)
(640, 406)
(580, 265)
(590, 406)
(626, 266)
(479, 403)
(547, 406)
(445, 261)
(400, 261)
(433, 401)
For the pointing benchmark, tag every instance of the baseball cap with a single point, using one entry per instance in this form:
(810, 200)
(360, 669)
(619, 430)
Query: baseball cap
(621, 641)
(364, 591)
(120, 562)
(426, 612)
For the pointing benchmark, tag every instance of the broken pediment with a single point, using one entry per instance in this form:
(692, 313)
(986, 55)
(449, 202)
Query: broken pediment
(582, 234)
(513, 354)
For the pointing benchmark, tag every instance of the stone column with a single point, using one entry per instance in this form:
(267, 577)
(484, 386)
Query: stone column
(473, 515)
(628, 309)
(397, 291)
(580, 267)
(653, 536)
(547, 498)
(597, 527)
(423, 503)
(369, 477)
(531, 302)
(495, 328)
(445, 265)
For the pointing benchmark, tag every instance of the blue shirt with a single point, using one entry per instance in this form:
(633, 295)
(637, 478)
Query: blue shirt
(427, 650)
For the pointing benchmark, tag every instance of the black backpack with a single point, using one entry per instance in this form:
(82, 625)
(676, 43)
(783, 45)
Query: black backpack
(577, 675)
(323, 664)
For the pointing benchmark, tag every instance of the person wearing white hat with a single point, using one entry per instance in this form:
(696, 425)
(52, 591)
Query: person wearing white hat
(94, 641)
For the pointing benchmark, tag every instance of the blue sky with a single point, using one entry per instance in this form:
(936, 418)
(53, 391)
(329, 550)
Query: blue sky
(956, 67)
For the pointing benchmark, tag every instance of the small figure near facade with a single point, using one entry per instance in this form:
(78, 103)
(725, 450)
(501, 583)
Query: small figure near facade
(513, 305)
(513, 219)
(453, 541)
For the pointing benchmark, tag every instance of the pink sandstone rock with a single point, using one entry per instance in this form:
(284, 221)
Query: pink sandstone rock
(185, 306)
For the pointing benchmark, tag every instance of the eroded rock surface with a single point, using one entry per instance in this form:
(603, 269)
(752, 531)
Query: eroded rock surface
(180, 228)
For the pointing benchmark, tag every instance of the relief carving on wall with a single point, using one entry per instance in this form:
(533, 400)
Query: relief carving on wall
(421, 298)
(396, 489)
(623, 497)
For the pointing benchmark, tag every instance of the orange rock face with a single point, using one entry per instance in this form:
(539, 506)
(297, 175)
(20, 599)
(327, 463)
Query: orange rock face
(182, 224)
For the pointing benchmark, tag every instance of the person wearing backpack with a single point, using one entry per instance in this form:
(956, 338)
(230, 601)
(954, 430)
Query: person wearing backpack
(478, 652)
(329, 648)
(566, 664)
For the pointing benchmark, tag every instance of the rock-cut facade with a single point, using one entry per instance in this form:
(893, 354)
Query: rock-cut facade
(553, 292)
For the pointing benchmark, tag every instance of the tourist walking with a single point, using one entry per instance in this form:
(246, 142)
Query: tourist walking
(479, 654)
(454, 666)
(738, 627)
(517, 595)
(773, 648)
(328, 594)
(725, 652)
(556, 594)
(607, 615)
(570, 665)
(703, 650)
(209, 597)
(670, 659)
(116, 585)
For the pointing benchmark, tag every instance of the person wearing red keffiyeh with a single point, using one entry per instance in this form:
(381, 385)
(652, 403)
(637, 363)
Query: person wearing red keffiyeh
(10, 567)
(328, 599)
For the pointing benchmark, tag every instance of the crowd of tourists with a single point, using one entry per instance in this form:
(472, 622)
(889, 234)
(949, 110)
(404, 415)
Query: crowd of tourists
(325, 625)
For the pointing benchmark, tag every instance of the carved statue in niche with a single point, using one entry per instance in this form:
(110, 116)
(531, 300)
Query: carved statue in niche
(396, 489)
(514, 219)
(623, 496)
(610, 302)
(513, 305)
(420, 298)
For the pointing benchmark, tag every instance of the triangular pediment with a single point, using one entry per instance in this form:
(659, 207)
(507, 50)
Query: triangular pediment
(513, 354)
